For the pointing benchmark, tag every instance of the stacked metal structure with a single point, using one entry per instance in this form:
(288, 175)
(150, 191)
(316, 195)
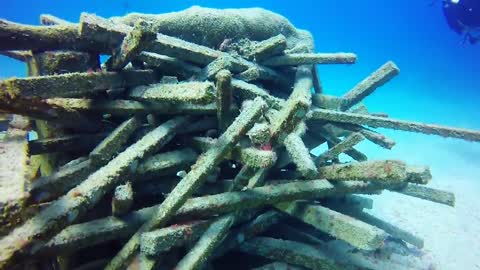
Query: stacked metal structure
(173, 154)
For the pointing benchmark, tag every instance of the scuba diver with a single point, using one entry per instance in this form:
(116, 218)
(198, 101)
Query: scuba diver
(463, 16)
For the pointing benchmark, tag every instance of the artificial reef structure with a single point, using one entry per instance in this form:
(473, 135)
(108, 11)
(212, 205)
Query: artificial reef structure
(190, 148)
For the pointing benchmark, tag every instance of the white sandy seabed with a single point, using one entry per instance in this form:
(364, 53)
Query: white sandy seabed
(451, 235)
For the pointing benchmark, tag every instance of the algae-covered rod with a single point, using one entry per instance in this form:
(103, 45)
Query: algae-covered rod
(75, 84)
(339, 148)
(15, 36)
(137, 39)
(379, 170)
(357, 233)
(267, 48)
(381, 122)
(290, 252)
(224, 99)
(48, 19)
(295, 108)
(426, 193)
(378, 78)
(310, 58)
(300, 155)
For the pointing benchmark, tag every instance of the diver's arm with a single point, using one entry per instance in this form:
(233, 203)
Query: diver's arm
(473, 38)
(451, 15)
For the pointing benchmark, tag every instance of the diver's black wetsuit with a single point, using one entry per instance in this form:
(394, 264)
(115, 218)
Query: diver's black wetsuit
(463, 17)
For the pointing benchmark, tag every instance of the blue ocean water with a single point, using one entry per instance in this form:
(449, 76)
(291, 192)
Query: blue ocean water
(439, 80)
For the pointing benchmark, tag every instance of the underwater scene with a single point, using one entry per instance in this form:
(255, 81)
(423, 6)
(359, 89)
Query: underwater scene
(267, 135)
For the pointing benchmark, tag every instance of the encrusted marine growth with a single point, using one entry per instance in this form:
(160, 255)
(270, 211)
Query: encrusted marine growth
(193, 142)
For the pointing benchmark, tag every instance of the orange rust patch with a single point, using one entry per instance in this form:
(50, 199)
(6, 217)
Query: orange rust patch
(76, 194)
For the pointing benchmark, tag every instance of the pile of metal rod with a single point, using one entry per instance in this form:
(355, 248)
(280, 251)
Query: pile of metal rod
(175, 155)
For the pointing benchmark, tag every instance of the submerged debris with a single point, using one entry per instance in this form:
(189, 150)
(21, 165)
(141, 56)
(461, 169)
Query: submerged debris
(197, 133)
